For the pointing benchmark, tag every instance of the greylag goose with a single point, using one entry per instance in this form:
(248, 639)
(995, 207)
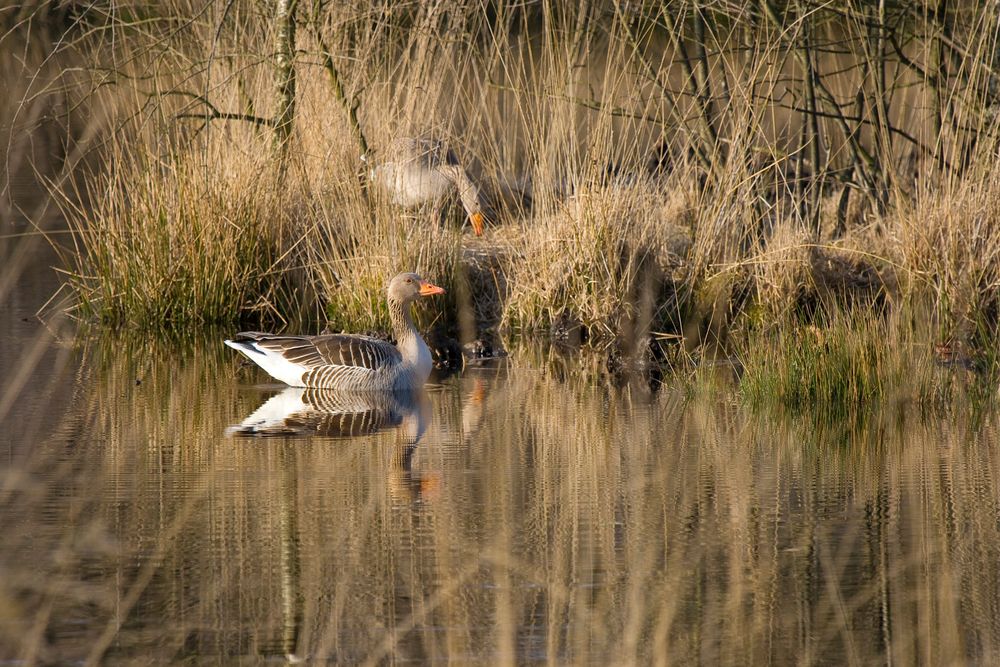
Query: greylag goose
(351, 362)
(417, 171)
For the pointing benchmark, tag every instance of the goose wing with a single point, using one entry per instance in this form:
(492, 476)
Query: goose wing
(327, 360)
(424, 151)
(335, 350)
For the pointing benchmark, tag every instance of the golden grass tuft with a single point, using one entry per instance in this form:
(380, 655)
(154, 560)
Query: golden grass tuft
(949, 245)
(603, 260)
(173, 244)
(783, 272)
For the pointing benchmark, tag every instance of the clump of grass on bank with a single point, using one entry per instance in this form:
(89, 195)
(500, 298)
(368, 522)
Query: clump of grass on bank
(793, 275)
(849, 363)
(178, 245)
(608, 260)
(950, 246)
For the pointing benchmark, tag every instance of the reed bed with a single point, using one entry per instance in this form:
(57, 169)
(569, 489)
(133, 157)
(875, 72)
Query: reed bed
(565, 106)
(647, 168)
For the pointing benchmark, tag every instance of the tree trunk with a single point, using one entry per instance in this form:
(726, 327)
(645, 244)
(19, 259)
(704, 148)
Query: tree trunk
(284, 76)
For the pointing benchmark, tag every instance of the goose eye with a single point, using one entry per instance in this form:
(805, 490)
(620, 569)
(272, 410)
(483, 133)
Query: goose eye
(409, 280)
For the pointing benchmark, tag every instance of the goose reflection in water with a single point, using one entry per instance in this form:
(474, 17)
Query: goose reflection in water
(303, 411)
(300, 412)
(326, 413)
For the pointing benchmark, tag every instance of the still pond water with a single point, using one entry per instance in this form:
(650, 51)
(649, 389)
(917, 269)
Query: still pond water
(165, 504)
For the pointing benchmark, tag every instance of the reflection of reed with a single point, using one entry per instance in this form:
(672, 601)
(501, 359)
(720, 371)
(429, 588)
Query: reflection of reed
(291, 580)
(537, 520)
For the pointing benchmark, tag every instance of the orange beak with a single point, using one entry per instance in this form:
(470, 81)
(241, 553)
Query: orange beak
(427, 289)
(477, 223)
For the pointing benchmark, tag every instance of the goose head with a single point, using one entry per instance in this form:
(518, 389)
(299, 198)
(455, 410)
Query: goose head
(408, 287)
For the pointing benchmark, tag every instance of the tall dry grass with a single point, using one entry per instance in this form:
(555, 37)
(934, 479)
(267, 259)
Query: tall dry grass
(184, 248)
(688, 167)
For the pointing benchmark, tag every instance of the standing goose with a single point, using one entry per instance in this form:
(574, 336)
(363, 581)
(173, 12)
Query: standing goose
(419, 170)
(351, 362)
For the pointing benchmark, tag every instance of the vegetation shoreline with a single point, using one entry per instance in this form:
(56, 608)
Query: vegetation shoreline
(810, 192)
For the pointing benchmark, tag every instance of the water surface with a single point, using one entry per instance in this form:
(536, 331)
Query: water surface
(519, 513)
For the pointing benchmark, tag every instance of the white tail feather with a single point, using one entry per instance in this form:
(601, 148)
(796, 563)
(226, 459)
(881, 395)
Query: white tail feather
(273, 362)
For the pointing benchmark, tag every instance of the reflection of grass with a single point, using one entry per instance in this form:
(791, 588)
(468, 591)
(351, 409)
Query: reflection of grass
(541, 520)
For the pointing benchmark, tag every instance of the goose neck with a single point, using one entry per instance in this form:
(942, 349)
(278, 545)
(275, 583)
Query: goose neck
(402, 322)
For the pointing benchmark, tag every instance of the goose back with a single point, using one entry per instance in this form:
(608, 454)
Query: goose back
(329, 361)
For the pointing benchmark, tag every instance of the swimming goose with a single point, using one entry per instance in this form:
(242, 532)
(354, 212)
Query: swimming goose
(352, 362)
(419, 170)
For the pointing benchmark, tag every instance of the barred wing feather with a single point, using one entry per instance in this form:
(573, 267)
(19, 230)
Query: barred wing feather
(331, 360)
(312, 352)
